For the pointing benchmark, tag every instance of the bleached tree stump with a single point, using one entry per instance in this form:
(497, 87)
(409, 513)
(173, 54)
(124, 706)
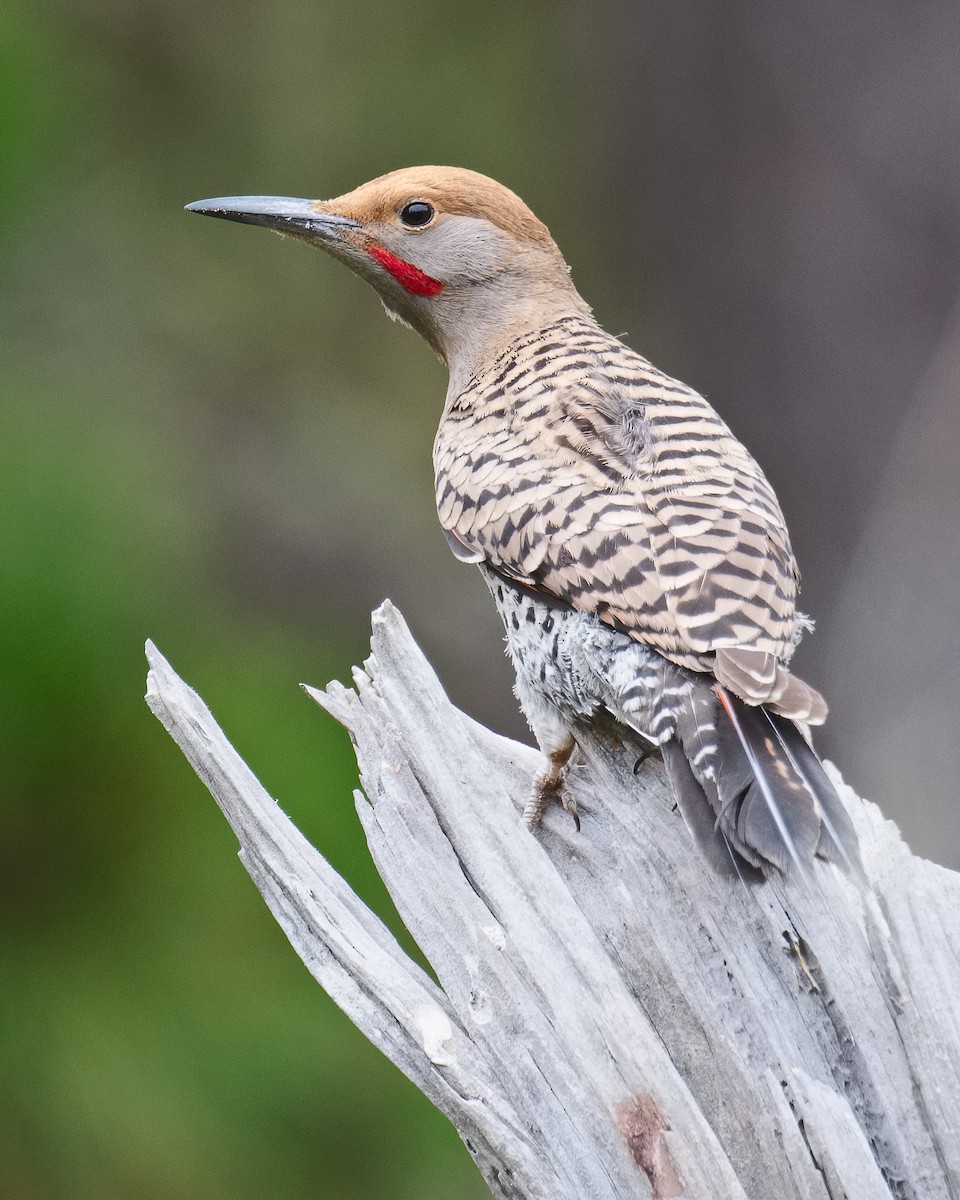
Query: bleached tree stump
(612, 1020)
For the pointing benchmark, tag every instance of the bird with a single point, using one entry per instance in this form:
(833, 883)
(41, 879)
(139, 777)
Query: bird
(636, 552)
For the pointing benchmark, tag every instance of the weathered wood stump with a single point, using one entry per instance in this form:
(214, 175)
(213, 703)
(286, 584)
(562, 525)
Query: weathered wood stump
(611, 1020)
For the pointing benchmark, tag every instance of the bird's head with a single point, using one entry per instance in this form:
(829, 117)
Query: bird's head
(452, 253)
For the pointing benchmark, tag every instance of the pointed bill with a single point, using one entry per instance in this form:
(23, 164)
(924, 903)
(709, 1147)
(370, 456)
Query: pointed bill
(284, 213)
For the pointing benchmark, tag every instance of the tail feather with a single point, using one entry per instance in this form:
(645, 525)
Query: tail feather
(762, 798)
(776, 813)
(698, 815)
(838, 838)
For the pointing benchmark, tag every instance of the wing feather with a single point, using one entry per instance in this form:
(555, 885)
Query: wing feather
(622, 492)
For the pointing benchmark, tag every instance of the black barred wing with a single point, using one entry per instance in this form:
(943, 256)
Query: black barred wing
(598, 480)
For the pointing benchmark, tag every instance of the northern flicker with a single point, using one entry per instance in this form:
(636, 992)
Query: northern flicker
(635, 550)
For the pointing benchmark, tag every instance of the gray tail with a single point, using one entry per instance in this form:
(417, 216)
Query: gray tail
(752, 790)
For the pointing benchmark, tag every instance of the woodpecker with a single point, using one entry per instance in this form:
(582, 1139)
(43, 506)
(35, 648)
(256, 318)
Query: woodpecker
(636, 553)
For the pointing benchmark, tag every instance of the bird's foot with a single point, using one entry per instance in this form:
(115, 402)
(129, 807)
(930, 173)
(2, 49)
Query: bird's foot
(548, 785)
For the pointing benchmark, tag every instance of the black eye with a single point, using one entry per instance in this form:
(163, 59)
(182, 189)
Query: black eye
(417, 214)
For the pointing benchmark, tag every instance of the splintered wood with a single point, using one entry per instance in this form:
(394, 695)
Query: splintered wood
(611, 1019)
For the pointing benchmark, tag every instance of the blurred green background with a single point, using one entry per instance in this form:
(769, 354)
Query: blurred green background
(213, 439)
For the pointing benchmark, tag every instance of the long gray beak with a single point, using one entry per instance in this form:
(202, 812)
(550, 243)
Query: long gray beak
(276, 212)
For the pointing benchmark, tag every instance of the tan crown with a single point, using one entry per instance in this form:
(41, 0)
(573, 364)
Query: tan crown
(453, 190)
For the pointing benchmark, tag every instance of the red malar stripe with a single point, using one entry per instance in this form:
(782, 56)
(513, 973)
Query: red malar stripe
(406, 274)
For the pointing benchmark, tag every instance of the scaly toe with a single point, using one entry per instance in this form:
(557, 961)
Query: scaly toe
(549, 785)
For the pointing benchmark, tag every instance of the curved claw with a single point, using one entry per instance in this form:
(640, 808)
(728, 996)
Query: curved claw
(570, 806)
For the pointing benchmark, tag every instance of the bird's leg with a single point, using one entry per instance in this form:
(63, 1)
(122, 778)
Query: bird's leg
(550, 784)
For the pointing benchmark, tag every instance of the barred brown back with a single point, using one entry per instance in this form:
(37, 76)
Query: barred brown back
(572, 465)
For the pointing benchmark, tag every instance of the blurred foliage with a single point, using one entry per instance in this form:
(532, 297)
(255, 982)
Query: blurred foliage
(164, 388)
